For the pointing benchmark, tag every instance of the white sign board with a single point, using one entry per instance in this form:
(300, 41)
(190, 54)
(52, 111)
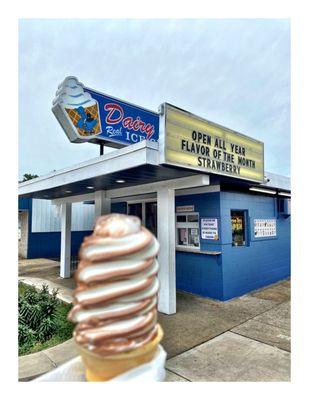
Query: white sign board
(265, 228)
(184, 208)
(209, 228)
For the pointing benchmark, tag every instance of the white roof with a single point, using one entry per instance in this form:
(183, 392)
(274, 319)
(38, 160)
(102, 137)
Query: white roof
(136, 164)
(278, 181)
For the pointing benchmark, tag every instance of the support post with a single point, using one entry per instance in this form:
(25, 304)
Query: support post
(102, 204)
(166, 257)
(65, 256)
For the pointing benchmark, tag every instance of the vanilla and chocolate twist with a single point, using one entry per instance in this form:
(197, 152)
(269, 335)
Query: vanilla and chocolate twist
(115, 302)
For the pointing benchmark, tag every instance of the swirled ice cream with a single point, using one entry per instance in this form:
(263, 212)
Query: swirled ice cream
(81, 108)
(71, 94)
(115, 302)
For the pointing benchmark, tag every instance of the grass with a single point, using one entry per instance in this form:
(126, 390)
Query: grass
(64, 328)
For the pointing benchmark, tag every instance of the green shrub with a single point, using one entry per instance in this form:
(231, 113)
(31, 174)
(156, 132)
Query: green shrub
(64, 327)
(30, 295)
(41, 318)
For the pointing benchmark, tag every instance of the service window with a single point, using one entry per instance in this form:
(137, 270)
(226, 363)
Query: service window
(238, 219)
(187, 230)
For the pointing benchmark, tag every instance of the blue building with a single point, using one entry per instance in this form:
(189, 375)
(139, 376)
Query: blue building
(40, 227)
(253, 246)
(223, 224)
(240, 259)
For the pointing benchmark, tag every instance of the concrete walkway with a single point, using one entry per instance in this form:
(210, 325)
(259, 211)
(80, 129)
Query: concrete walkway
(244, 339)
(37, 364)
(26, 266)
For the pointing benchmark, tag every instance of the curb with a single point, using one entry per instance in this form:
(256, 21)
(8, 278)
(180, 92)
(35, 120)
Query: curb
(64, 293)
(34, 365)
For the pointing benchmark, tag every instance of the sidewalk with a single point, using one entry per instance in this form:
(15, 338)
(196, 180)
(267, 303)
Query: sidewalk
(244, 339)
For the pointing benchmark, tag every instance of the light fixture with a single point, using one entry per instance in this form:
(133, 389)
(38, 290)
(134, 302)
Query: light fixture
(68, 191)
(89, 187)
(284, 194)
(120, 181)
(257, 189)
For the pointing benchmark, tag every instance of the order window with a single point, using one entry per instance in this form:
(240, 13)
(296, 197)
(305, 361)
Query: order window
(238, 228)
(187, 230)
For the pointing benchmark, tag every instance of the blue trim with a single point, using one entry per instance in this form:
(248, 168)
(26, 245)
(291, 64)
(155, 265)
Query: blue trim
(47, 244)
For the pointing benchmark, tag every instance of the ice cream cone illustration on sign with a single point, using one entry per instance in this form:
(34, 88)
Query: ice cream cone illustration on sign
(77, 111)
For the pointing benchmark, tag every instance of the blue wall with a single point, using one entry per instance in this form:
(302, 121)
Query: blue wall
(262, 261)
(237, 270)
(24, 204)
(200, 273)
(47, 244)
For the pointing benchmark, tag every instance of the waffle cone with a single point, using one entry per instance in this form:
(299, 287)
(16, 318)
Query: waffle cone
(74, 117)
(103, 368)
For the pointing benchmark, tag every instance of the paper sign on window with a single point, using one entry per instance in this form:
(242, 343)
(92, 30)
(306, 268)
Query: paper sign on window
(209, 228)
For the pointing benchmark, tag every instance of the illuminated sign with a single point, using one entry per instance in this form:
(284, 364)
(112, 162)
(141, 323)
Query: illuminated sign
(190, 141)
(90, 116)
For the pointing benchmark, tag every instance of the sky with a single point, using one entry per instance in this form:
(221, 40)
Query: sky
(232, 72)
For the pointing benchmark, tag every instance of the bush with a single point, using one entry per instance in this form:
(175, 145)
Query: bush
(41, 317)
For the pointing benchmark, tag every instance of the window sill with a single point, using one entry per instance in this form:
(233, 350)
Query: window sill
(198, 251)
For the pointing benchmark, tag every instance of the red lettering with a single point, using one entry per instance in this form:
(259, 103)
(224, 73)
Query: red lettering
(135, 125)
(142, 126)
(112, 108)
(116, 114)
(127, 122)
(149, 130)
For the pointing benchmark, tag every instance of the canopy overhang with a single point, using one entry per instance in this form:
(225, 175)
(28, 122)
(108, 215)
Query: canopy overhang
(139, 171)
(137, 164)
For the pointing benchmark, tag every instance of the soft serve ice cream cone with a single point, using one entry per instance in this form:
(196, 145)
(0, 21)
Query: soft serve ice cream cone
(80, 106)
(115, 302)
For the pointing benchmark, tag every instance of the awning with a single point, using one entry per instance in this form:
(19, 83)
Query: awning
(135, 165)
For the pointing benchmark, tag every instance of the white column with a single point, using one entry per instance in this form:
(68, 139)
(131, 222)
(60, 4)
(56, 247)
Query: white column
(65, 257)
(102, 204)
(166, 257)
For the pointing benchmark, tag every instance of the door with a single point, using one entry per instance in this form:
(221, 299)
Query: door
(151, 216)
(147, 212)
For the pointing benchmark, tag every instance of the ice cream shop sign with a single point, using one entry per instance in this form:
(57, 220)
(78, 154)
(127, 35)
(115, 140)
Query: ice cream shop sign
(90, 116)
(186, 140)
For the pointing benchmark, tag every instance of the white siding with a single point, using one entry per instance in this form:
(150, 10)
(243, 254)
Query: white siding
(45, 217)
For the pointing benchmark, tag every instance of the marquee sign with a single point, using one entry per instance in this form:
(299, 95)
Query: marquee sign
(90, 116)
(190, 141)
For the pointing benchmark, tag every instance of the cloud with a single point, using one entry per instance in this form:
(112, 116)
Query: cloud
(234, 72)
